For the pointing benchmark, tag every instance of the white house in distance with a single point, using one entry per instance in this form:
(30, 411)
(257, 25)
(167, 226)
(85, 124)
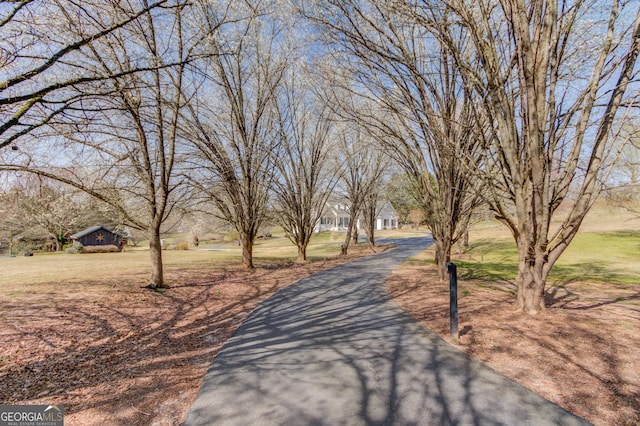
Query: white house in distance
(386, 216)
(336, 217)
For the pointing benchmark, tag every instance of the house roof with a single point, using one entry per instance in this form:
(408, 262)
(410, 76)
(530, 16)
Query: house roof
(88, 231)
(385, 208)
(341, 209)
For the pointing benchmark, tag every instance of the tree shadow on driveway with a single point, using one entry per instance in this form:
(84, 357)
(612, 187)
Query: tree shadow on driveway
(335, 349)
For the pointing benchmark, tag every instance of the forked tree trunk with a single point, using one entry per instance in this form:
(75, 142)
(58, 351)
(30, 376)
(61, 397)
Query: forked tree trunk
(347, 240)
(371, 240)
(155, 251)
(302, 253)
(531, 280)
(247, 250)
(301, 239)
(442, 257)
(369, 230)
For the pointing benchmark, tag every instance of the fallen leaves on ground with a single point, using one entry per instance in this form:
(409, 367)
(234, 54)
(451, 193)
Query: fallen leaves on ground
(124, 354)
(583, 353)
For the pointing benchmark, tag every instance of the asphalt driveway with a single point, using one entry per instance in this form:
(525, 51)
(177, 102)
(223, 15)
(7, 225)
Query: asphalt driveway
(335, 349)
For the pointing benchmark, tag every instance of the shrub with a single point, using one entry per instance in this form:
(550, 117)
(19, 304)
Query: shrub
(101, 249)
(183, 246)
(71, 250)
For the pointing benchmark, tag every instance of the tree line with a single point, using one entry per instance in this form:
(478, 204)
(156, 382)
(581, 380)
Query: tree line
(230, 107)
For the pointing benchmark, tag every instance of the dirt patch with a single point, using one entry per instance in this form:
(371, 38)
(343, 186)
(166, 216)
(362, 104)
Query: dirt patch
(583, 353)
(123, 354)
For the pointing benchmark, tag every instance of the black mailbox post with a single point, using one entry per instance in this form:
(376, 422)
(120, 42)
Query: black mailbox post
(453, 299)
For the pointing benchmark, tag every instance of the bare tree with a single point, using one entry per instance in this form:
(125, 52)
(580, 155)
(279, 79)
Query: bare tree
(627, 168)
(119, 144)
(363, 170)
(369, 212)
(53, 213)
(305, 175)
(38, 43)
(401, 84)
(399, 192)
(234, 119)
(553, 78)
(623, 188)
(11, 221)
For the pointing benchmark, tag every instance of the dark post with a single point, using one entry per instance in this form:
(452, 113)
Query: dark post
(453, 299)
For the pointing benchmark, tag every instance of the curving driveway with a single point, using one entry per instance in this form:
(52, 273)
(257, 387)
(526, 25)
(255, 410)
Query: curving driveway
(334, 349)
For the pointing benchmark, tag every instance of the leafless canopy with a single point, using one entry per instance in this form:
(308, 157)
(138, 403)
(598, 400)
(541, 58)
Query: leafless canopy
(118, 141)
(306, 174)
(233, 120)
(401, 85)
(361, 177)
(553, 77)
(40, 75)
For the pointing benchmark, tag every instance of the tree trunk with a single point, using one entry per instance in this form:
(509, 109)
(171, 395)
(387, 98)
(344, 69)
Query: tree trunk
(442, 257)
(347, 239)
(247, 250)
(155, 251)
(372, 243)
(369, 230)
(302, 253)
(530, 282)
(59, 240)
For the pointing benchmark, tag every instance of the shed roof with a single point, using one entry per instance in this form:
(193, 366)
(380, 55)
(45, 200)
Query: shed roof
(88, 231)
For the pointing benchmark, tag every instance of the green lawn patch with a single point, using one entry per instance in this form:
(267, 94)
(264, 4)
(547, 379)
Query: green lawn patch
(607, 257)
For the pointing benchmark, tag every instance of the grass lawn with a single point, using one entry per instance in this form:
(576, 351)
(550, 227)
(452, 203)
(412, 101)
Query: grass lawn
(130, 265)
(605, 257)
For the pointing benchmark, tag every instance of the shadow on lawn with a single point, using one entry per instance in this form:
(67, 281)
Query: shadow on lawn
(561, 297)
